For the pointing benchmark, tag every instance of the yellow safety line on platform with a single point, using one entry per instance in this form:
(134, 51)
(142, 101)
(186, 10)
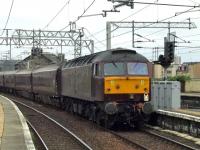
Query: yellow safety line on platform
(1, 120)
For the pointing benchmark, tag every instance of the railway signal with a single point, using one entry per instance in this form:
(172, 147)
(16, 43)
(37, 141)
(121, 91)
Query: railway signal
(168, 57)
(169, 51)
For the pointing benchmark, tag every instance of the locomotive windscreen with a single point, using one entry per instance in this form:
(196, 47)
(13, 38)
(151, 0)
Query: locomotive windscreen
(114, 69)
(135, 68)
(120, 68)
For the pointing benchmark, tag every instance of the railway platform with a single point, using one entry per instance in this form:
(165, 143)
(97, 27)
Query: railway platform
(190, 100)
(14, 131)
(181, 120)
(191, 94)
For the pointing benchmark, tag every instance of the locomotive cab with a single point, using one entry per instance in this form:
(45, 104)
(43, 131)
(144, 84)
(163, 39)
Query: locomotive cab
(131, 78)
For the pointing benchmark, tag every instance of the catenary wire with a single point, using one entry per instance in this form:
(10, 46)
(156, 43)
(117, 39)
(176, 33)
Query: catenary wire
(125, 18)
(147, 25)
(62, 8)
(78, 18)
(93, 35)
(8, 18)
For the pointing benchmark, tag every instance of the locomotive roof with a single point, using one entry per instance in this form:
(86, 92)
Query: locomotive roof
(118, 54)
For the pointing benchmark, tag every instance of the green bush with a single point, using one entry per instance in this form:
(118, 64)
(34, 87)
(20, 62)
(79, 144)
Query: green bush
(181, 78)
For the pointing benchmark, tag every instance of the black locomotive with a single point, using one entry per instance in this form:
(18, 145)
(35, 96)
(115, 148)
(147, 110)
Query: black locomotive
(106, 87)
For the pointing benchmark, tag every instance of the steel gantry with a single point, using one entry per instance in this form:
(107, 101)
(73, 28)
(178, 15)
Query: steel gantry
(39, 38)
(113, 26)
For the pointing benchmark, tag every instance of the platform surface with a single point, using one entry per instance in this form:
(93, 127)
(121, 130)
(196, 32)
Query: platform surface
(14, 132)
(193, 112)
(181, 113)
(191, 94)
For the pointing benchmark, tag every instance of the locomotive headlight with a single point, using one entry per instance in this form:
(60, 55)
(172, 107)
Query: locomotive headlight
(132, 96)
(146, 97)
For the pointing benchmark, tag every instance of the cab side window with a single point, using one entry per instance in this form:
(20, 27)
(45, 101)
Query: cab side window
(96, 70)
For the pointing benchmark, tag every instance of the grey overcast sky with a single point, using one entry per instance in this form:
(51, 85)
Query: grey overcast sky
(36, 14)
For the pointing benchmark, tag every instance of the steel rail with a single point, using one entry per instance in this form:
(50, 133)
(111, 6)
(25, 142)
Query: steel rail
(57, 123)
(123, 138)
(38, 135)
(170, 140)
(129, 141)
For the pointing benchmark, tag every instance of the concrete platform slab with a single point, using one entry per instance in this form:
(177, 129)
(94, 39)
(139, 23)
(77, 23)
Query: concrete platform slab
(188, 115)
(191, 94)
(179, 121)
(16, 134)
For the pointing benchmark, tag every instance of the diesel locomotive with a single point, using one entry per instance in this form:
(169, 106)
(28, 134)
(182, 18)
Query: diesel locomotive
(107, 87)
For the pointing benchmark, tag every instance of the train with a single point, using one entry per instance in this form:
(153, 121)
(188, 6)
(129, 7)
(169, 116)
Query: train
(107, 87)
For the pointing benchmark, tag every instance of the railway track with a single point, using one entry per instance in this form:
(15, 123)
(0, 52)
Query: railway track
(100, 138)
(96, 136)
(51, 133)
(129, 141)
(149, 140)
(41, 145)
(172, 141)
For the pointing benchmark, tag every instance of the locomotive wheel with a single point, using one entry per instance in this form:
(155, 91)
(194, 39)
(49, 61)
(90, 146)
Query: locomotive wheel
(139, 123)
(104, 120)
(62, 104)
(99, 118)
(108, 121)
(91, 113)
(67, 105)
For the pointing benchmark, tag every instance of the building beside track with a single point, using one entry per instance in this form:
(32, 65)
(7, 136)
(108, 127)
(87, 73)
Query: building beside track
(37, 59)
(188, 68)
(6, 65)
